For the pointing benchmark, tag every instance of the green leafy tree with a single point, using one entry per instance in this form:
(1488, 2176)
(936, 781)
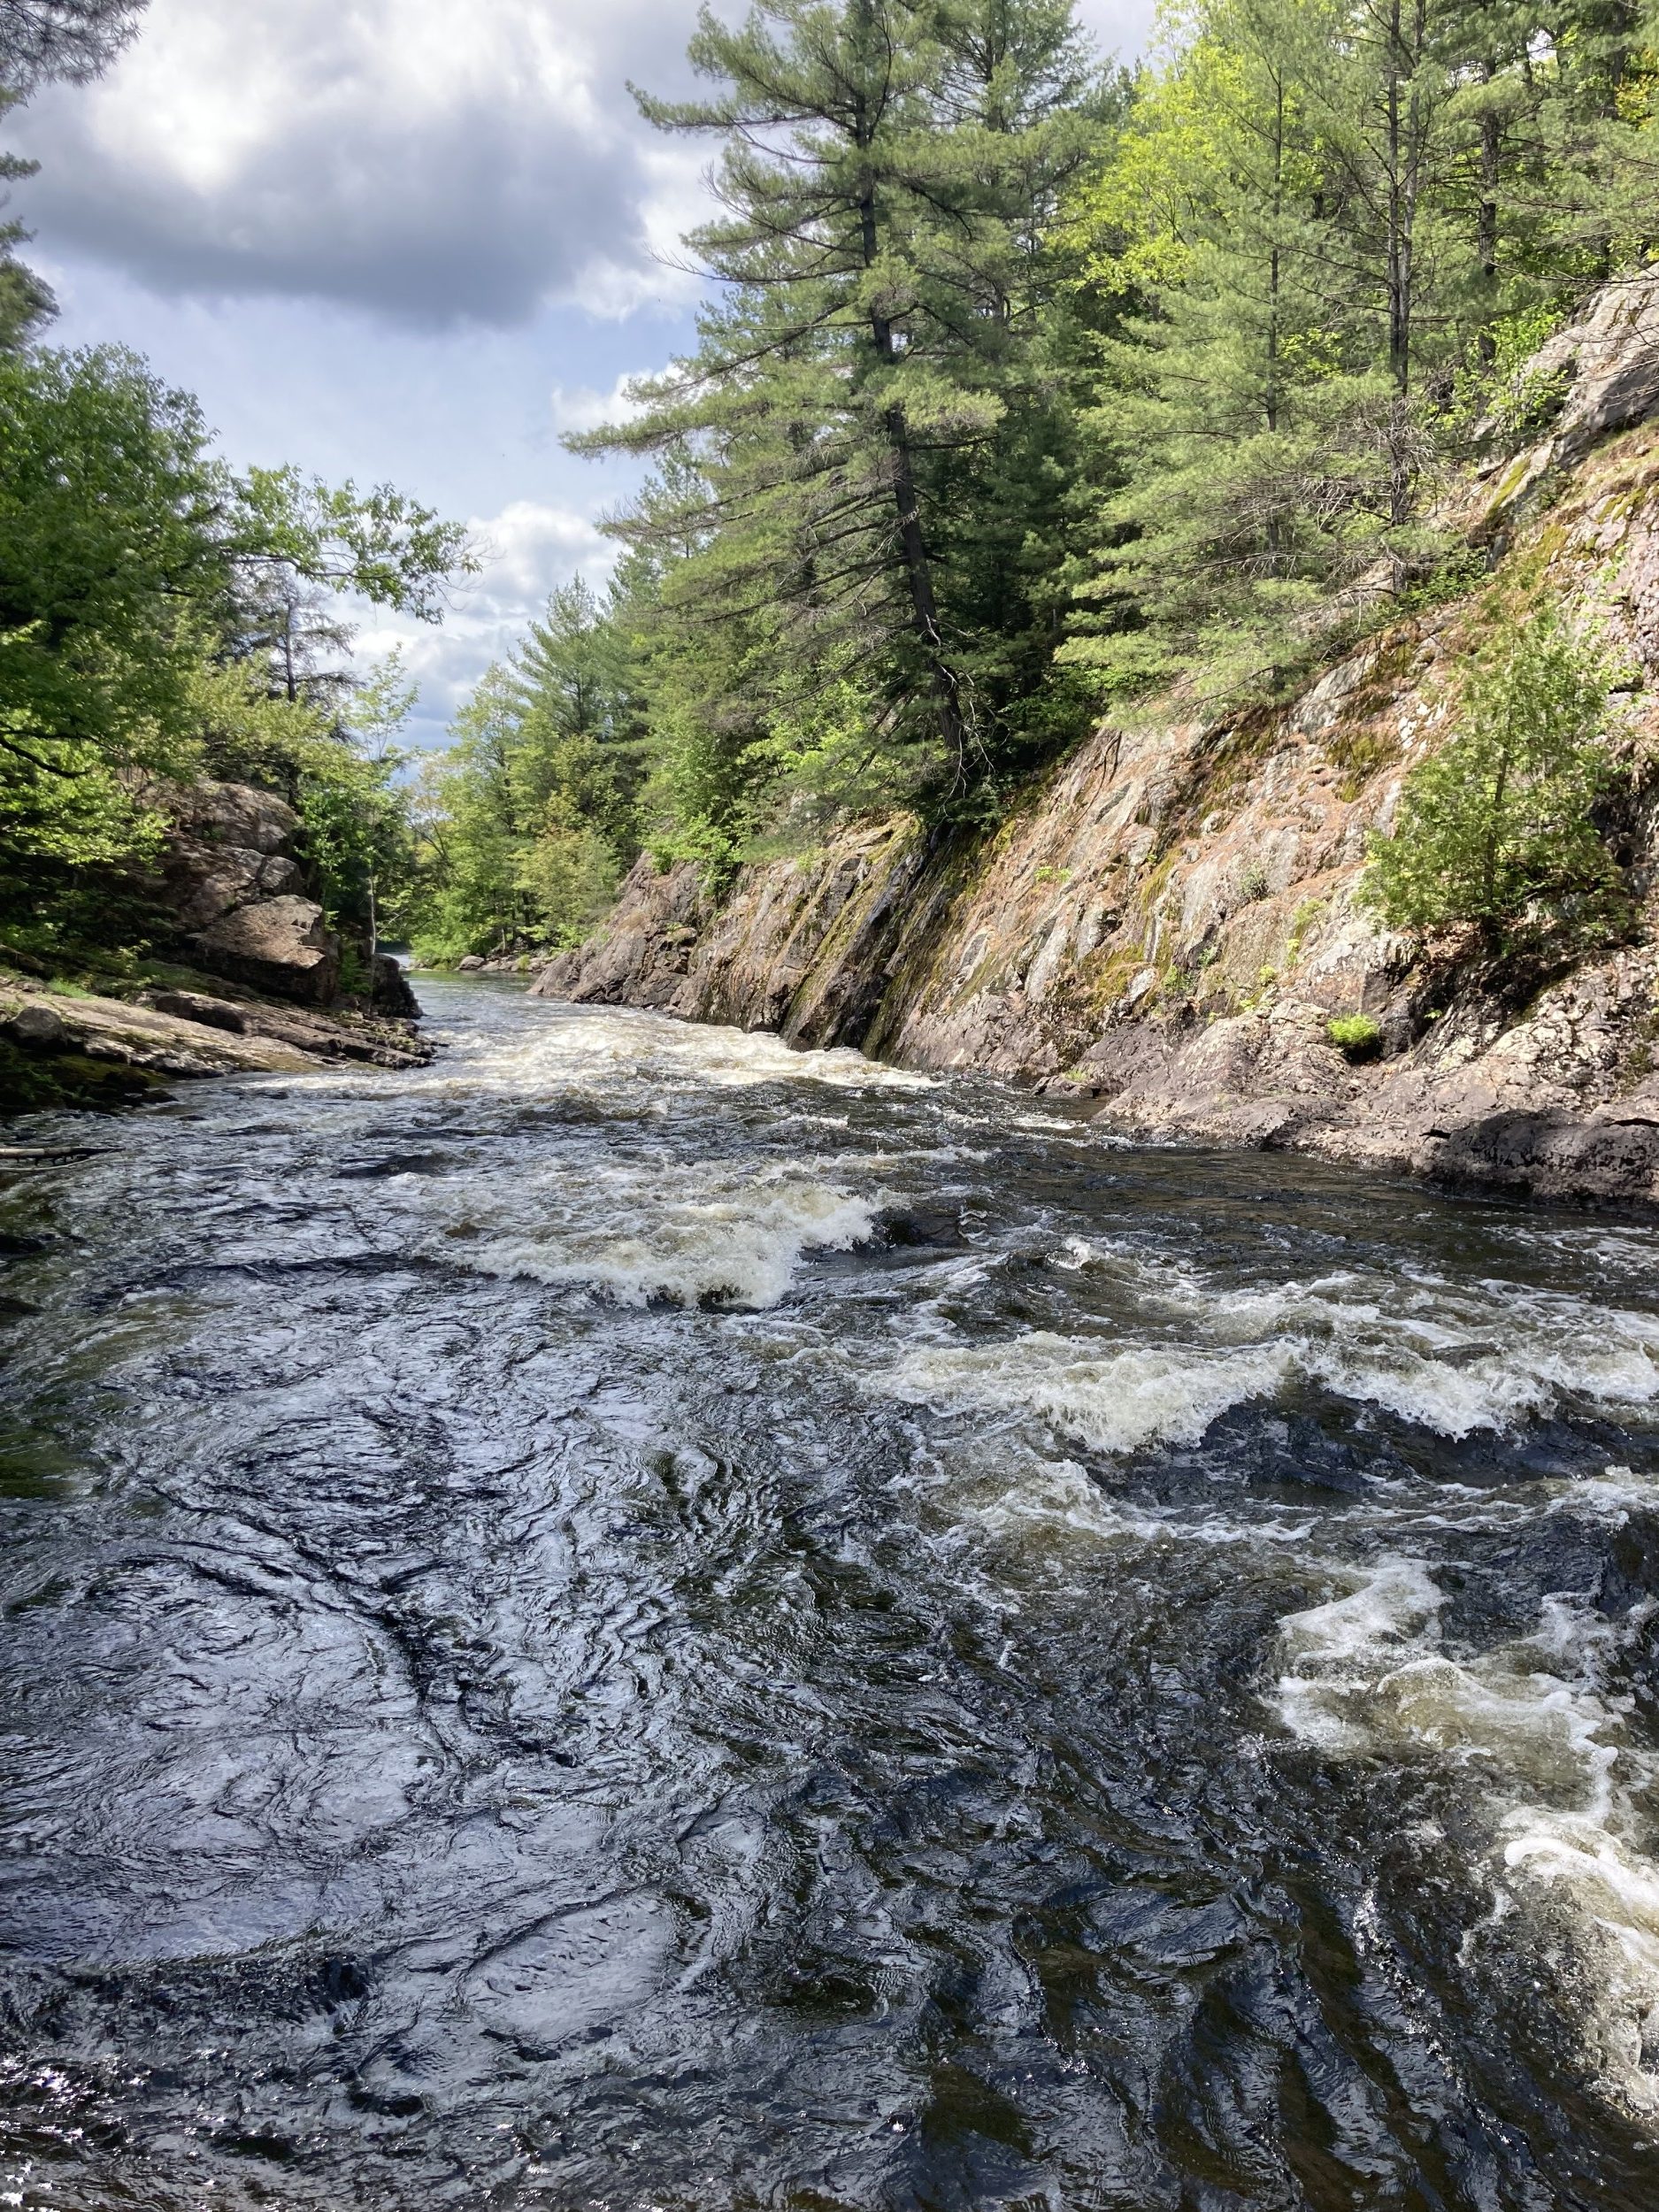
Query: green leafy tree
(1499, 822)
(109, 559)
(581, 740)
(125, 547)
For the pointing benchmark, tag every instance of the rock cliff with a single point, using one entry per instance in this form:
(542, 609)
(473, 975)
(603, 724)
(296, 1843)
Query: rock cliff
(1167, 925)
(231, 881)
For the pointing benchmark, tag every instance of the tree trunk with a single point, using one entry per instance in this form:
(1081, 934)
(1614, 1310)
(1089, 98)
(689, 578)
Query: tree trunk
(1406, 126)
(1273, 275)
(1487, 222)
(918, 575)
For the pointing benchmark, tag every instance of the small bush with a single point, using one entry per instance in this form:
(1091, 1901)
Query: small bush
(1498, 823)
(1355, 1036)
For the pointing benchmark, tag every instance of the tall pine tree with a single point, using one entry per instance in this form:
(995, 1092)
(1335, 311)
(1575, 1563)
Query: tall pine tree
(887, 174)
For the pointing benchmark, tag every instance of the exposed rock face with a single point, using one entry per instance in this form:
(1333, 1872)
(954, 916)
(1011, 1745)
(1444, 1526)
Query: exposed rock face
(326, 1037)
(1611, 354)
(97, 1050)
(231, 874)
(1169, 926)
(278, 945)
(389, 991)
(231, 846)
(139, 1037)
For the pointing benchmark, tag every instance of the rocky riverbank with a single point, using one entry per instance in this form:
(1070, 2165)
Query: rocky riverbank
(59, 1047)
(244, 975)
(1169, 924)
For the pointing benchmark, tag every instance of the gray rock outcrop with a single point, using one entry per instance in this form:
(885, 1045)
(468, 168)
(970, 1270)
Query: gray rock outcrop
(1167, 928)
(231, 875)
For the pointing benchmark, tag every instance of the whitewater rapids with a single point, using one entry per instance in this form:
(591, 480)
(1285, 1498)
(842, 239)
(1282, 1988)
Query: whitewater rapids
(639, 1619)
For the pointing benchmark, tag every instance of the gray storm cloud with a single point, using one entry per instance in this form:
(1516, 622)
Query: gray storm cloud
(434, 165)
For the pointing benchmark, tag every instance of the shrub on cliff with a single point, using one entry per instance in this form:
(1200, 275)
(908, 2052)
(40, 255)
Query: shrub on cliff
(1497, 825)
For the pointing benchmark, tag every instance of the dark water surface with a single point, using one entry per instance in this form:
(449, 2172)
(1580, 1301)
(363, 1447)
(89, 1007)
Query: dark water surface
(635, 1620)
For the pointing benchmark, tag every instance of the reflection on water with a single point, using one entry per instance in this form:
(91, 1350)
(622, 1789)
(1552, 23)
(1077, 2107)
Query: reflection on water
(638, 1619)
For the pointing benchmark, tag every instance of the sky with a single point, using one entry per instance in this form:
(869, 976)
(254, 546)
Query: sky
(400, 240)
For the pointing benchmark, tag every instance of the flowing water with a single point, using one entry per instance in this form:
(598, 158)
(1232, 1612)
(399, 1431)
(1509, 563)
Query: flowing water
(635, 1619)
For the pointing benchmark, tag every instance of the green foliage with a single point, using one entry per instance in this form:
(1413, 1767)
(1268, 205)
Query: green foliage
(527, 822)
(379, 543)
(1497, 825)
(1357, 1036)
(868, 460)
(126, 551)
(110, 559)
(1337, 233)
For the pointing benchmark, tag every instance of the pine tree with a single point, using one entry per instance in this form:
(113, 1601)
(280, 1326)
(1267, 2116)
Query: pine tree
(1344, 222)
(57, 41)
(26, 299)
(1244, 399)
(1499, 821)
(887, 173)
(43, 40)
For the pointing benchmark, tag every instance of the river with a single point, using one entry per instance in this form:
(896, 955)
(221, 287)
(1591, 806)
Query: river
(638, 1620)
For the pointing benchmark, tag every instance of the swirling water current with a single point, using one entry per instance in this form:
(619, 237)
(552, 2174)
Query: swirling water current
(639, 1620)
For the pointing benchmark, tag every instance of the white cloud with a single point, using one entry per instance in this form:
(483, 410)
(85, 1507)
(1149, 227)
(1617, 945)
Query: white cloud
(527, 551)
(437, 164)
(579, 407)
(434, 163)
(527, 548)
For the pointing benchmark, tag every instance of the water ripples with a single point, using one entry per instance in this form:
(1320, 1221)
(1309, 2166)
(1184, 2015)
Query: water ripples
(635, 1619)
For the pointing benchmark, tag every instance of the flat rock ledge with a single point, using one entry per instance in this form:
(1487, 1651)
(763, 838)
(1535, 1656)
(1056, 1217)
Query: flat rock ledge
(177, 1034)
(1563, 1105)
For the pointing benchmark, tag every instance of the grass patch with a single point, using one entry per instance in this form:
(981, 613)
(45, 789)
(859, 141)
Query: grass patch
(1355, 1036)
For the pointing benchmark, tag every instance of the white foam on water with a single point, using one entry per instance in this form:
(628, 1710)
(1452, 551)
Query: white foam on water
(621, 1051)
(1570, 1798)
(637, 1233)
(1452, 1358)
(632, 1220)
(1111, 1398)
(1611, 1496)
(1055, 1512)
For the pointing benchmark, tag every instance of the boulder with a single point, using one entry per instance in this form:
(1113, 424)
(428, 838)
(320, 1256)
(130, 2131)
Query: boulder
(279, 945)
(231, 877)
(230, 846)
(1612, 355)
(389, 993)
